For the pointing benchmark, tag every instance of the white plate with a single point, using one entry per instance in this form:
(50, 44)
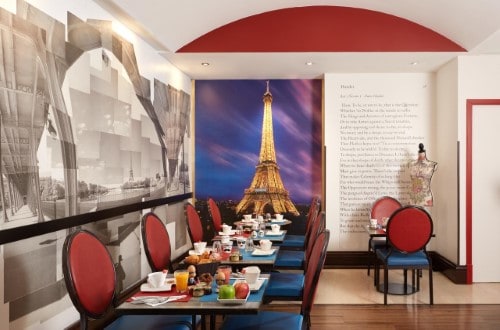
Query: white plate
(259, 252)
(145, 287)
(233, 301)
(271, 233)
(249, 220)
(254, 286)
(278, 221)
(231, 232)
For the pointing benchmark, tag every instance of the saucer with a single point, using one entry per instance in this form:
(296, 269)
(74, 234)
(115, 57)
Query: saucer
(256, 286)
(272, 233)
(146, 287)
(260, 252)
(231, 232)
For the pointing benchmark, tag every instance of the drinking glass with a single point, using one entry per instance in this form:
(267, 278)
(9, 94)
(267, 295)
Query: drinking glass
(217, 247)
(181, 280)
(249, 247)
(227, 270)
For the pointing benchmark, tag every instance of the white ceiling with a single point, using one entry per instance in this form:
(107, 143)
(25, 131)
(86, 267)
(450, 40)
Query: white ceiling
(170, 24)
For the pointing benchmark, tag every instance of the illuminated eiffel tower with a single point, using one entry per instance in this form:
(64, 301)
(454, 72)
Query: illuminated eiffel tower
(267, 192)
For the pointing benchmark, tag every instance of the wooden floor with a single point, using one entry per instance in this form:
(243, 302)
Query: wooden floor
(370, 317)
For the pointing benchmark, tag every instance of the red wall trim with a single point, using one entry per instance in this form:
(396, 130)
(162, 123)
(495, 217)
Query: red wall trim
(322, 29)
(468, 181)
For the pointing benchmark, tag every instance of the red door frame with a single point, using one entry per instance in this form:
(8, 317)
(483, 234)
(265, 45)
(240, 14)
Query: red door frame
(468, 181)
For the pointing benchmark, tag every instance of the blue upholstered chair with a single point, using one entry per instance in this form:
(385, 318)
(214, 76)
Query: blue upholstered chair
(296, 259)
(299, 242)
(289, 286)
(408, 231)
(383, 207)
(282, 320)
(90, 278)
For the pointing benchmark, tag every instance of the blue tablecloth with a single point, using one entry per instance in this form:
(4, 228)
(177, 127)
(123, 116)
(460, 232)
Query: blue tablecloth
(247, 256)
(253, 297)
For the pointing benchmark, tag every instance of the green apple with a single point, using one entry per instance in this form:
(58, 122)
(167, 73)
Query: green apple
(226, 291)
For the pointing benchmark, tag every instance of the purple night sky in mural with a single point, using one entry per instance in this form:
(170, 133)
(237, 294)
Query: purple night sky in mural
(228, 135)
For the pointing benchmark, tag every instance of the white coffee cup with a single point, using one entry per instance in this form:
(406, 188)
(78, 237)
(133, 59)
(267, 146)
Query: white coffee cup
(373, 223)
(260, 218)
(199, 247)
(252, 273)
(275, 228)
(226, 229)
(247, 216)
(265, 244)
(157, 279)
(224, 239)
(279, 217)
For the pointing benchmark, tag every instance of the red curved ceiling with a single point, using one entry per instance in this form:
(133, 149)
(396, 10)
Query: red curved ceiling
(322, 29)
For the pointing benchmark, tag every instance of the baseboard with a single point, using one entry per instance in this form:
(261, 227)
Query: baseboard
(359, 259)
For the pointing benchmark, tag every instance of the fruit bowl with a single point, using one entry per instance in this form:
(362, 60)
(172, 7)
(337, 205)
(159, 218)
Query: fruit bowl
(233, 301)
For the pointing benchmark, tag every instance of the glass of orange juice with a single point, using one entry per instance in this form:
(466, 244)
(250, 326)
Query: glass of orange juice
(181, 280)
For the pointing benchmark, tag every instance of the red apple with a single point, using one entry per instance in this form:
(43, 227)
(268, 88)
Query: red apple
(241, 290)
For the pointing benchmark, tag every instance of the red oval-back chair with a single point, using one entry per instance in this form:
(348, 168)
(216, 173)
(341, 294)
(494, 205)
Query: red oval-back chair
(195, 228)
(214, 210)
(156, 242)
(90, 278)
(409, 230)
(383, 207)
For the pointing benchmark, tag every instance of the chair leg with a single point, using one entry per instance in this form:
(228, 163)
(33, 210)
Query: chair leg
(405, 281)
(386, 283)
(369, 256)
(431, 287)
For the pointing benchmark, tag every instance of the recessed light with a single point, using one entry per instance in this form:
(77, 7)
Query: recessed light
(205, 64)
(309, 63)
(414, 63)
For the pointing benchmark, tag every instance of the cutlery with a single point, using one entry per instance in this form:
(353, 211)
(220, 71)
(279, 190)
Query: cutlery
(155, 300)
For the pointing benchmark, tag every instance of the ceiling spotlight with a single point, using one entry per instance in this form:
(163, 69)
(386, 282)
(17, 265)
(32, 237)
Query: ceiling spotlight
(414, 63)
(205, 64)
(309, 63)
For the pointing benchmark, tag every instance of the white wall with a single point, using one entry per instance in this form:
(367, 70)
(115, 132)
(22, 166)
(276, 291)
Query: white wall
(373, 125)
(445, 185)
(478, 78)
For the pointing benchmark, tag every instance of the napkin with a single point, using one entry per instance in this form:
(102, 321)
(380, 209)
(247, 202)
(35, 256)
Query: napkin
(155, 300)
(157, 279)
(144, 295)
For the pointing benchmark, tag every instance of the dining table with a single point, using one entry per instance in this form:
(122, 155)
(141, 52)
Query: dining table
(275, 237)
(206, 305)
(268, 223)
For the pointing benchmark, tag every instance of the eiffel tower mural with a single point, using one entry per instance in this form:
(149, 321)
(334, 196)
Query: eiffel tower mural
(267, 192)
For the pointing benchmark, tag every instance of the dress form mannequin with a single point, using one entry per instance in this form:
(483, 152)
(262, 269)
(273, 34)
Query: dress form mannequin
(421, 171)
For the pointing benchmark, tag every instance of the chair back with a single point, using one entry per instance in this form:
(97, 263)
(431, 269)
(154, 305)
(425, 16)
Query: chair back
(318, 226)
(314, 209)
(384, 207)
(313, 271)
(156, 242)
(409, 229)
(195, 228)
(215, 214)
(89, 275)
